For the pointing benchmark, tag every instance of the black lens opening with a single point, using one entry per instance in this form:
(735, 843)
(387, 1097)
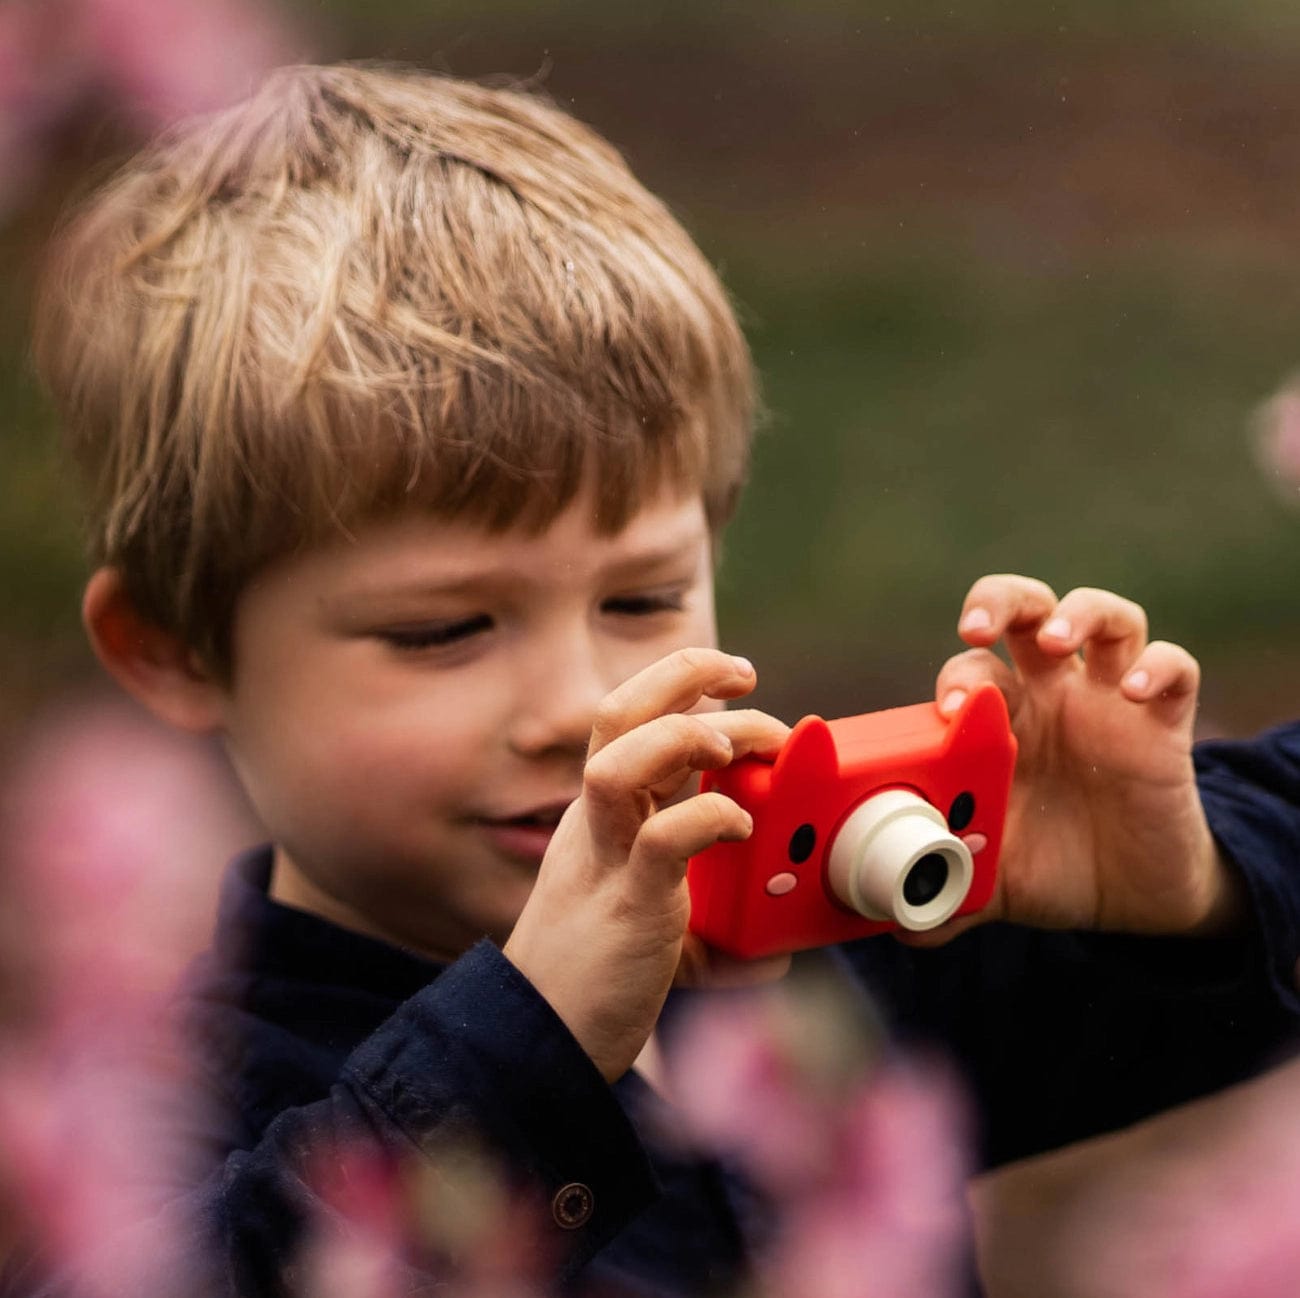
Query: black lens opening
(926, 879)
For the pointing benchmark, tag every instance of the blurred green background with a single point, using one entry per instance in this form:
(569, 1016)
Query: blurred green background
(1017, 278)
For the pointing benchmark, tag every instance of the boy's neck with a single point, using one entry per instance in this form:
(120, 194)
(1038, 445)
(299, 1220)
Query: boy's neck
(291, 887)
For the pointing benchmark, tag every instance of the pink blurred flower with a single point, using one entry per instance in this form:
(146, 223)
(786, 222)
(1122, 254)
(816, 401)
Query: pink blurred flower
(156, 60)
(1206, 1206)
(111, 833)
(1277, 441)
(172, 60)
(356, 1245)
(865, 1162)
(387, 1224)
(1196, 1202)
(889, 1219)
(114, 832)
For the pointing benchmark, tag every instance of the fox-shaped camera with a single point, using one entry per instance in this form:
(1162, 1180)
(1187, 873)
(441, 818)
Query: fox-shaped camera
(869, 824)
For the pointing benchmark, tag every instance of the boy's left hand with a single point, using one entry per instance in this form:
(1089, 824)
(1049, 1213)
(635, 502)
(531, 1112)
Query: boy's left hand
(1105, 828)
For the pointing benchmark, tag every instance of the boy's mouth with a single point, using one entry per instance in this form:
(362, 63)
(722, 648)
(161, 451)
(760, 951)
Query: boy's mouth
(525, 836)
(545, 817)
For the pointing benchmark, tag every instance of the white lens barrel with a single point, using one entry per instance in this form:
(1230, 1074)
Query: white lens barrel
(878, 847)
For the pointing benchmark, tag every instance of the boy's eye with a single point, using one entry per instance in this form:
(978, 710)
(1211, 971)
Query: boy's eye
(433, 635)
(642, 605)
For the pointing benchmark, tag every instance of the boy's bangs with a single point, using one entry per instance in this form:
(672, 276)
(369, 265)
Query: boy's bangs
(505, 451)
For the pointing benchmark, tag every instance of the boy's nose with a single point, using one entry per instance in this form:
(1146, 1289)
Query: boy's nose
(556, 707)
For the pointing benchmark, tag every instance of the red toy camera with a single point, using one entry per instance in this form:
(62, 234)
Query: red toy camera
(869, 824)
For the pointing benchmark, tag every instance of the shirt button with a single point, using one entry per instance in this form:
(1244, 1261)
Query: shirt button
(573, 1205)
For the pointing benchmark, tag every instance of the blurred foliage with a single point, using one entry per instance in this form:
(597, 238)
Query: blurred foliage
(934, 421)
(1016, 276)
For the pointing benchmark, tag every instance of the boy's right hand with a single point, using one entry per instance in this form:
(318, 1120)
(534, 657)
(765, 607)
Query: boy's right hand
(604, 933)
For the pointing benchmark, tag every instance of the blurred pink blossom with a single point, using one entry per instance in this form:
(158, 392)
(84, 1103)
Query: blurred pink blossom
(154, 60)
(171, 60)
(111, 833)
(115, 830)
(1196, 1202)
(357, 1242)
(1277, 441)
(1207, 1206)
(866, 1162)
(387, 1224)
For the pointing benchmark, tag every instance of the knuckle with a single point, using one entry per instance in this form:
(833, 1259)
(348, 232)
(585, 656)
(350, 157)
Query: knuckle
(1037, 589)
(608, 717)
(719, 813)
(698, 661)
(679, 731)
(1108, 600)
(694, 731)
(602, 775)
(1177, 657)
(1020, 590)
(969, 665)
(988, 587)
(656, 836)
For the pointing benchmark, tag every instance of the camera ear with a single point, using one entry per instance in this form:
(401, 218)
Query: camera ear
(982, 716)
(809, 754)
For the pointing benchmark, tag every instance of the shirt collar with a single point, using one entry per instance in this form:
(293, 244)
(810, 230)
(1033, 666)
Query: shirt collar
(262, 936)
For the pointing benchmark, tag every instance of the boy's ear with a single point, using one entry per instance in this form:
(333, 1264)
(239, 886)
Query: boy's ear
(155, 666)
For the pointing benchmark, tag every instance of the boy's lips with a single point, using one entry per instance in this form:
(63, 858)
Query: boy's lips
(527, 834)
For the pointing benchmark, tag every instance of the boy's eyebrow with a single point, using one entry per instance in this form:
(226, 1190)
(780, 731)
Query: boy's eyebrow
(661, 556)
(639, 564)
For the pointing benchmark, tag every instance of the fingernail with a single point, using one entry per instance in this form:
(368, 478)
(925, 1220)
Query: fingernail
(747, 828)
(978, 619)
(743, 665)
(1139, 681)
(952, 701)
(1059, 628)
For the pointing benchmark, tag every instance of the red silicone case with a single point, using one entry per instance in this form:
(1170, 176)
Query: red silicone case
(821, 774)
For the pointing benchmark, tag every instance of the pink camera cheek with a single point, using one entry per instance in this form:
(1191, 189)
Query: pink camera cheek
(779, 884)
(975, 843)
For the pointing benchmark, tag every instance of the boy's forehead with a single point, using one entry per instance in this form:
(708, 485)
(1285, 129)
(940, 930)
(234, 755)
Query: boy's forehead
(421, 551)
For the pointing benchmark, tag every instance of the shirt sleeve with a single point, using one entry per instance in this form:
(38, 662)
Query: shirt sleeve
(1251, 794)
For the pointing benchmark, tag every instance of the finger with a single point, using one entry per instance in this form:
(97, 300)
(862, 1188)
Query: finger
(1109, 630)
(1005, 606)
(671, 836)
(1166, 678)
(964, 671)
(617, 782)
(673, 684)
(751, 732)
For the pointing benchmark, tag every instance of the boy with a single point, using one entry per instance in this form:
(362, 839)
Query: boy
(412, 423)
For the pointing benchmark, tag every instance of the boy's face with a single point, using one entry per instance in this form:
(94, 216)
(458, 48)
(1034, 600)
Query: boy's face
(410, 710)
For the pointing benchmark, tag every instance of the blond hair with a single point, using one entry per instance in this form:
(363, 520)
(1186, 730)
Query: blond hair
(370, 289)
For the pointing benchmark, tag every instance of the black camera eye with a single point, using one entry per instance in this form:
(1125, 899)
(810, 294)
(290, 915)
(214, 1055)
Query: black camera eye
(802, 842)
(962, 811)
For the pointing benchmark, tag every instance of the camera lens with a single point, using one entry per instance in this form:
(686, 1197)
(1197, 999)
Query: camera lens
(893, 858)
(926, 879)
